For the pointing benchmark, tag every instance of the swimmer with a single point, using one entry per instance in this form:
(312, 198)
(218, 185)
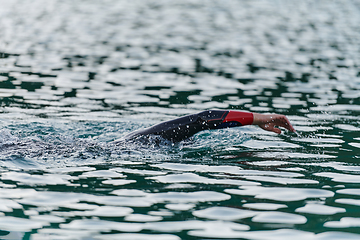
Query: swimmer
(184, 127)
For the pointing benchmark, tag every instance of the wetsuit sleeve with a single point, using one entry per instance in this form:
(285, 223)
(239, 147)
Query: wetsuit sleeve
(182, 128)
(238, 118)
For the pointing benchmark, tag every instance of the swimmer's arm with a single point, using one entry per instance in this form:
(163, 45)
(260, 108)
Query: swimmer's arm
(182, 128)
(271, 122)
(268, 122)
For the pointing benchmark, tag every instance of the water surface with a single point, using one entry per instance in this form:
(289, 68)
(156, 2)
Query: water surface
(74, 76)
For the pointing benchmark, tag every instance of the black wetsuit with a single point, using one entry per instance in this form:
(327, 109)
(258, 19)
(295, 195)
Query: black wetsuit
(182, 128)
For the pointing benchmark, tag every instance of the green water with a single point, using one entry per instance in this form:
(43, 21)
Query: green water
(76, 75)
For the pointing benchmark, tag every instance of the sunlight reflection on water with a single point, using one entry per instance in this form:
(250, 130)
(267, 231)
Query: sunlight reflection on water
(75, 76)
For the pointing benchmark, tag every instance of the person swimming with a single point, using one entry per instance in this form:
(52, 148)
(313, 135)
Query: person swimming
(184, 127)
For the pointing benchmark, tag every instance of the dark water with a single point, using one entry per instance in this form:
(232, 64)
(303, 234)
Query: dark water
(76, 75)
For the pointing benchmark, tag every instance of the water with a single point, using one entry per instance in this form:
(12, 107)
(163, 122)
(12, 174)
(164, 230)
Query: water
(76, 75)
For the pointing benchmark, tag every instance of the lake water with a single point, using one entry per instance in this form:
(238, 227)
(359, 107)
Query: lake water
(76, 75)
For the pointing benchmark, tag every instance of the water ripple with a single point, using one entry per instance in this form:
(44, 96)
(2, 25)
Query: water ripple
(75, 76)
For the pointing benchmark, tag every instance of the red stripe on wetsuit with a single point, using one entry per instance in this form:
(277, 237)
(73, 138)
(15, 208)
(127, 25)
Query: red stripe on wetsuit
(244, 118)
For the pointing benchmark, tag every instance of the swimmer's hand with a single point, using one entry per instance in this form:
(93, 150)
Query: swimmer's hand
(271, 122)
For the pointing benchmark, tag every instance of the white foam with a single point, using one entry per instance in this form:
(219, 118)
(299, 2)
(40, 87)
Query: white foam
(280, 193)
(320, 209)
(279, 217)
(224, 213)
